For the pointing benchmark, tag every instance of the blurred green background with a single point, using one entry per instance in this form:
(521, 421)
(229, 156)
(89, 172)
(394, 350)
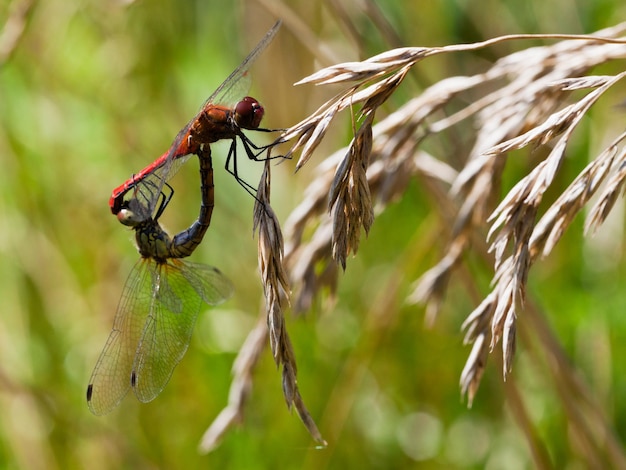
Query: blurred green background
(93, 91)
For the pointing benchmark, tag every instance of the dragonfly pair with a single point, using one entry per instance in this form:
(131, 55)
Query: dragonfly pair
(163, 294)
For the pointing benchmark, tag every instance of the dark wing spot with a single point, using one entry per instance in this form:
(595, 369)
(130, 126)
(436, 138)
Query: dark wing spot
(89, 392)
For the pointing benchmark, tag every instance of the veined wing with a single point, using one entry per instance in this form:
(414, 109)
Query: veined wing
(237, 84)
(167, 333)
(208, 282)
(146, 187)
(110, 380)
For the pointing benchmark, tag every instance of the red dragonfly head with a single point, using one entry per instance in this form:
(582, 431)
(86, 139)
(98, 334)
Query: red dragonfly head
(249, 113)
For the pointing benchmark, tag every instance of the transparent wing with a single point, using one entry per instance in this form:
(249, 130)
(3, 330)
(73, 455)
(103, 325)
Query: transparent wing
(167, 332)
(148, 188)
(150, 180)
(170, 324)
(236, 86)
(208, 282)
(110, 380)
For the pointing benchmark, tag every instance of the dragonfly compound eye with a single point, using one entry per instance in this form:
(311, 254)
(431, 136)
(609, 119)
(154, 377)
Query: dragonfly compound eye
(128, 217)
(248, 113)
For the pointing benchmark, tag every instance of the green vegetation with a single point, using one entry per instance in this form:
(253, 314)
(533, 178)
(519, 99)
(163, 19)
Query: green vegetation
(91, 92)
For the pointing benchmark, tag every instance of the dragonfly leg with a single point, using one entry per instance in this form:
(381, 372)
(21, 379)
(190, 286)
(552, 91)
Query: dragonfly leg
(165, 200)
(258, 149)
(232, 157)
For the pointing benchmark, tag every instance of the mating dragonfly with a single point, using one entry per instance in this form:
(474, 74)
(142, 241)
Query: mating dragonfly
(224, 115)
(159, 306)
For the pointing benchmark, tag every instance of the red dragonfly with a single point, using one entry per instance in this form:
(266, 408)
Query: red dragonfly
(159, 306)
(217, 120)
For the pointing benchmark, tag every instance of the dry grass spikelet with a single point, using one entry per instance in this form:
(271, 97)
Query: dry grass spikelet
(276, 289)
(523, 108)
(523, 101)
